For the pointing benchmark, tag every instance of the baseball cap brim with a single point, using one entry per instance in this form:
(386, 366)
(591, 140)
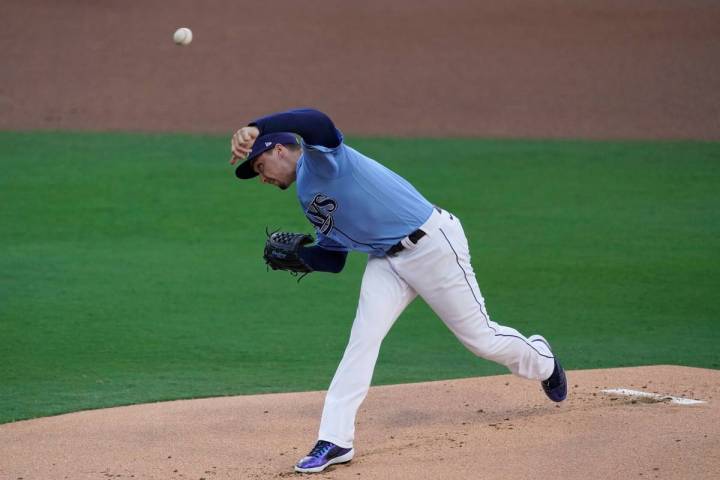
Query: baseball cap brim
(263, 144)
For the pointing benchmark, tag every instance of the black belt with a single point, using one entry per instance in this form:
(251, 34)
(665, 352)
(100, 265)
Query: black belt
(398, 247)
(414, 237)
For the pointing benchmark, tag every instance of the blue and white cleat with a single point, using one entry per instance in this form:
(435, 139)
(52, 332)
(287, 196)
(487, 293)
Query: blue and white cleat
(322, 456)
(555, 387)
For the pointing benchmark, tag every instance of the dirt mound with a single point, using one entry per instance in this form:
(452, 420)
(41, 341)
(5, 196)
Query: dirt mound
(493, 427)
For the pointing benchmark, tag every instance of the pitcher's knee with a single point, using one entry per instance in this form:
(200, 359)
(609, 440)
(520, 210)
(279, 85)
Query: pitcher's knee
(365, 343)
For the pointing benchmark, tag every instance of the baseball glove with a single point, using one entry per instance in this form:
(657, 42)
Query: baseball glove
(282, 252)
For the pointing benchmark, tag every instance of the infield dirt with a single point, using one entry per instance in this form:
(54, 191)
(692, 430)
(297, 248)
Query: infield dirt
(498, 427)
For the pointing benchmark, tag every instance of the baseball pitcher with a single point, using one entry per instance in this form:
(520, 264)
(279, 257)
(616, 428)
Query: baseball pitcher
(413, 247)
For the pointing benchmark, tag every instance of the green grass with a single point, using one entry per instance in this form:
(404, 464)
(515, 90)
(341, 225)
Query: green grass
(130, 266)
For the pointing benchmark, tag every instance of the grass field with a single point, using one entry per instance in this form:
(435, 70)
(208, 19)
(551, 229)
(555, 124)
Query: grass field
(131, 271)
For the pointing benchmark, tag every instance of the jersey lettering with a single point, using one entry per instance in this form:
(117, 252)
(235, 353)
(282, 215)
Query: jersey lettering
(320, 212)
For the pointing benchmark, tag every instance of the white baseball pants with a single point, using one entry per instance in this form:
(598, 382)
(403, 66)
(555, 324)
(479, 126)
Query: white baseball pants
(438, 269)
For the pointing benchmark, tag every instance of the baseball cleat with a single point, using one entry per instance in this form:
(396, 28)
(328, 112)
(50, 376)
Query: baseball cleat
(555, 387)
(322, 456)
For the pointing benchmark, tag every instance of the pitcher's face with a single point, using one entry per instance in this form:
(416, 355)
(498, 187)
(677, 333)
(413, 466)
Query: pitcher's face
(276, 167)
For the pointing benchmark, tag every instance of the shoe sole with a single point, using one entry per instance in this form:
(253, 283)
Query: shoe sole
(341, 459)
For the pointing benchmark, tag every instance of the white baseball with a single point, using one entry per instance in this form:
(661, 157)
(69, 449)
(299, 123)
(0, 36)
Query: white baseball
(182, 36)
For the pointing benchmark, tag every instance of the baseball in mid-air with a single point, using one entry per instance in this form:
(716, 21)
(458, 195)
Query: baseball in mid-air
(182, 36)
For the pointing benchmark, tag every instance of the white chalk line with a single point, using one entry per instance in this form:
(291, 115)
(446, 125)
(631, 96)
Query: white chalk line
(624, 392)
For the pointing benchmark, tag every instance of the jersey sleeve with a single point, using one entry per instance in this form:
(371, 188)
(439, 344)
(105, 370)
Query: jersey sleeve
(315, 127)
(322, 260)
(321, 139)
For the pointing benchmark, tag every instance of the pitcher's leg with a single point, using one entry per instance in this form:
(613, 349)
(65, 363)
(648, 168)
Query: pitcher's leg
(383, 297)
(449, 286)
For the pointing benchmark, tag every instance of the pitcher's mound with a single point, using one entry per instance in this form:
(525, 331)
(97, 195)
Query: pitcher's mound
(493, 427)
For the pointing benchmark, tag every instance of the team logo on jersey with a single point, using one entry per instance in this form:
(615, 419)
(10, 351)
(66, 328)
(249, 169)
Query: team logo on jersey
(320, 212)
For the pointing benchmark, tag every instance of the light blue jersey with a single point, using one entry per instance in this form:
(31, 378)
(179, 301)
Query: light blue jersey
(354, 202)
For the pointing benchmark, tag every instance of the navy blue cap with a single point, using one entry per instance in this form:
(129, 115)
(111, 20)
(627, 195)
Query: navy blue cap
(263, 144)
